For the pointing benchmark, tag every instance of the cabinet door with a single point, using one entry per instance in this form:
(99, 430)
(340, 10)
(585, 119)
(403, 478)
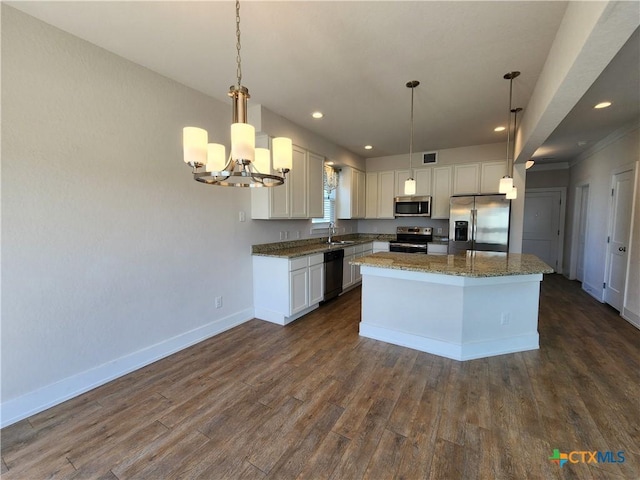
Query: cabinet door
(343, 194)
(422, 177)
(492, 172)
(355, 270)
(360, 191)
(371, 196)
(316, 283)
(441, 192)
(298, 290)
(315, 188)
(466, 178)
(401, 177)
(297, 179)
(347, 275)
(386, 187)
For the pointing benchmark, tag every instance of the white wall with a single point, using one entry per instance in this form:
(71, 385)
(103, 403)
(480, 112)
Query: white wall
(595, 168)
(110, 250)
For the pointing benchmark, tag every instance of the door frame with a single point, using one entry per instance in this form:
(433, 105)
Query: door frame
(575, 229)
(561, 221)
(631, 166)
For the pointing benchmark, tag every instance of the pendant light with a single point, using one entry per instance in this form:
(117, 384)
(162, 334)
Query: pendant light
(506, 182)
(410, 183)
(246, 165)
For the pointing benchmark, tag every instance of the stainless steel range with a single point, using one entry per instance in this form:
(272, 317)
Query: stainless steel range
(411, 239)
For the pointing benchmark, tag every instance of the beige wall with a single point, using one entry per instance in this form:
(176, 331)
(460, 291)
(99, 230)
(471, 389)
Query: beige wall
(547, 178)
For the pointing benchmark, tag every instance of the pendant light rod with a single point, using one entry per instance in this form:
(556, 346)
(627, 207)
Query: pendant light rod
(412, 84)
(510, 76)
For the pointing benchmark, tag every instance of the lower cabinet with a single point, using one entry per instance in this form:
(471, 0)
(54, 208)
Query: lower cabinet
(286, 289)
(351, 273)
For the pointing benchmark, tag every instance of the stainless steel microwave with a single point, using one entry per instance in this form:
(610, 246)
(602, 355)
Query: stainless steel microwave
(414, 206)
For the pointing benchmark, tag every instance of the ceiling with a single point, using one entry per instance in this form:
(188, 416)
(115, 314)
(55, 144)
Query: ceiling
(351, 60)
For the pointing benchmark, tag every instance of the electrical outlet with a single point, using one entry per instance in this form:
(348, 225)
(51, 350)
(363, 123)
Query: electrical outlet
(298, 234)
(286, 235)
(281, 235)
(242, 217)
(505, 318)
(439, 230)
(218, 302)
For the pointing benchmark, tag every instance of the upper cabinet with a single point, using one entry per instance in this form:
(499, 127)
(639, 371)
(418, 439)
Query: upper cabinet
(441, 192)
(466, 178)
(351, 194)
(299, 197)
(379, 194)
(492, 172)
(422, 176)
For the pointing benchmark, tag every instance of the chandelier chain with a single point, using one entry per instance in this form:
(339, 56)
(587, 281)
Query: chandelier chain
(238, 58)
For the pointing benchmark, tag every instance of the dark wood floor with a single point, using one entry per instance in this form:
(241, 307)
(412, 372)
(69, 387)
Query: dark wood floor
(313, 400)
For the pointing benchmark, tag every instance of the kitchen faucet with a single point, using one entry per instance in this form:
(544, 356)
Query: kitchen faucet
(332, 231)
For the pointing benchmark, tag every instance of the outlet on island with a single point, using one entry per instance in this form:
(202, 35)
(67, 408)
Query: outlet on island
(218, 302)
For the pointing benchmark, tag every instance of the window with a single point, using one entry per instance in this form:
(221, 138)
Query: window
(329, 209)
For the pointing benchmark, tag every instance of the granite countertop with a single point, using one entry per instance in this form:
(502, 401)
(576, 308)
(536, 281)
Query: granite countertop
(471, 264)
(300, 248)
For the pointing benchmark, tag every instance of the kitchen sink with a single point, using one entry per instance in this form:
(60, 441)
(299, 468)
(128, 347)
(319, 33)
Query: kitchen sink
(342, 242)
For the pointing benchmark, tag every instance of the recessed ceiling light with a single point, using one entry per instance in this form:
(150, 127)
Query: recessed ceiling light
(602, 105)
(317, 114)
(368, 147)
(328, 163)
(499, 129)
(582, 143)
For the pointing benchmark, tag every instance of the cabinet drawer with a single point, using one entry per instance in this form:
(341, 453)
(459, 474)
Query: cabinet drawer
(316, 259)
(298, 263)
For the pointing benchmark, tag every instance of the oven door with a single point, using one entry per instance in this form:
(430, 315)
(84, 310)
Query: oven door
(408, 247)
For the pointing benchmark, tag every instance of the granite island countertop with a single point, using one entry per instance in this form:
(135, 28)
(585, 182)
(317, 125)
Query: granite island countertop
(300, 248)
(471, 264)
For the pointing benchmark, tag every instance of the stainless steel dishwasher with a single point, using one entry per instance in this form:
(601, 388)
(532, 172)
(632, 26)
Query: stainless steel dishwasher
(333, 273)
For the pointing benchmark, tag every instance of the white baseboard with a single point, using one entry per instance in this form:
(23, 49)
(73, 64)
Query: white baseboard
(34, 402)
(461, 352)
(597, 293)
(631, 317)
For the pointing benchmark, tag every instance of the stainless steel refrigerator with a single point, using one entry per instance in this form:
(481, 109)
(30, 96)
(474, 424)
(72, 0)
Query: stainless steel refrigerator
(479, 222)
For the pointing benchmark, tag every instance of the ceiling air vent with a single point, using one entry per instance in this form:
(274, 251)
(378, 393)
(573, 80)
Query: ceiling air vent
(429, 158)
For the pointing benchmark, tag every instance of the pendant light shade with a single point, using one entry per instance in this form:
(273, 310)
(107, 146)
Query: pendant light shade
(410, 186)
(506, 184)
(194, 144)
(410, 183)
(243, 141)
(262, 161)
(512, 194)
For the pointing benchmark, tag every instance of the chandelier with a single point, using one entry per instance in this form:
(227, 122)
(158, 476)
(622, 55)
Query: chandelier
(330, 179)
(246, 166)
(506, 182)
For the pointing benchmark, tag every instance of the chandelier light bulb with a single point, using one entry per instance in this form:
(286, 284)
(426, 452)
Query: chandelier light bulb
(216, 157)
(243, 141)
(282, 153)
(506, 184)
(194, 143)
(262, 163)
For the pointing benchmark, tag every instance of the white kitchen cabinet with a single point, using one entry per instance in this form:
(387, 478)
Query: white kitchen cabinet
(315, 186)
(286, 289)
(466, 178)
(351, 194)
(371, 195)
(299, 197)
(441, 192)
(316, 283)
(422, 176)
(379, 194)
(401, 177)
(347, 271)
(492, 172)
(360, 251)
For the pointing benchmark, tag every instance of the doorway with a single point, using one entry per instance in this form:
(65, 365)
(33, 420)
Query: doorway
(618, 239)
(543, 229)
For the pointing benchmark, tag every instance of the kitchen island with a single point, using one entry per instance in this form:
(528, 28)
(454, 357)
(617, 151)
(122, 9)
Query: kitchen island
(463, 307)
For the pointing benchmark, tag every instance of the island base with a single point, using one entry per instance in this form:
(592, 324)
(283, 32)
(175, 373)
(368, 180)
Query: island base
(461, 318)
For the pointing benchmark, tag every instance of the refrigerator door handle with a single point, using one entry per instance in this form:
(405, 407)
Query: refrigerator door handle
(474, 214)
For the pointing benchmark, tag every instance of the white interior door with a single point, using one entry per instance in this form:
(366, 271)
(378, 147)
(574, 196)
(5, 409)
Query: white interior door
(622, 196)
(541, 231)
(582, 231)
